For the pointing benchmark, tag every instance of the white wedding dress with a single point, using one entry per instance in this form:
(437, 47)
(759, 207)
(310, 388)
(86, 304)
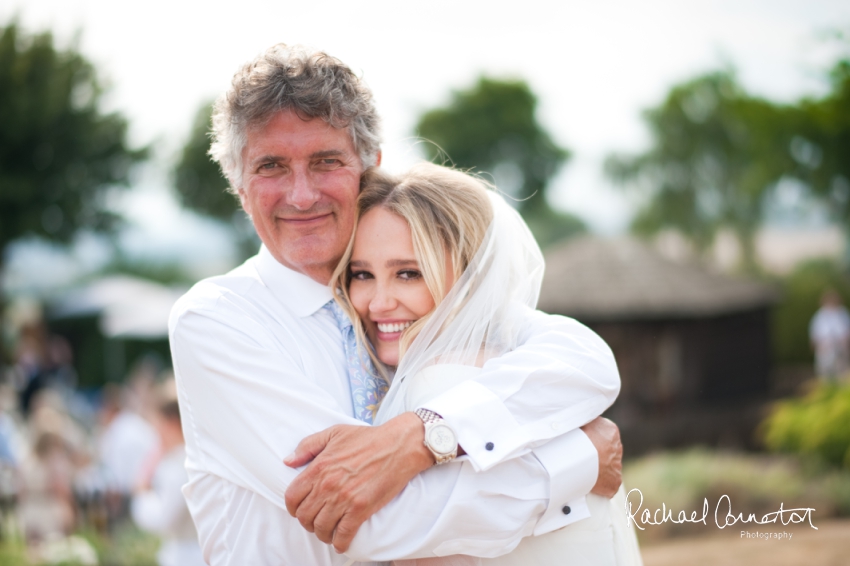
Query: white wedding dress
(483, 316)
(603, 539)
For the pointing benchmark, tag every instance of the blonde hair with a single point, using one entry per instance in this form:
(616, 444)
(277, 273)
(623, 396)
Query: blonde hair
(448, 212)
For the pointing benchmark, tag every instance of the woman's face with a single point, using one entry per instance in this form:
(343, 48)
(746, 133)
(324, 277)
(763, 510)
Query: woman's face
(387, 288)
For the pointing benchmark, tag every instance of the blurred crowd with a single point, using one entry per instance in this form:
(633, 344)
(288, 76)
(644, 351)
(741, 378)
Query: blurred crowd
(71, 462)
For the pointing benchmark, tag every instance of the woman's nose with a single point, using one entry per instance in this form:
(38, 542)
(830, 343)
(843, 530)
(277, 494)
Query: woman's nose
(383, 300)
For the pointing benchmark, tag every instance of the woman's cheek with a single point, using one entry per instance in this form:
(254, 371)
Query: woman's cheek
(359, 298)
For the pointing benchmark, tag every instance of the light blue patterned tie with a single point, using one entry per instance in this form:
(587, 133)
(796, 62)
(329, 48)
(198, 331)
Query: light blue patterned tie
(367, 390)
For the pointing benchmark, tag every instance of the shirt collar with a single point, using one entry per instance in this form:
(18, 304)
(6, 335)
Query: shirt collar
(296, 291)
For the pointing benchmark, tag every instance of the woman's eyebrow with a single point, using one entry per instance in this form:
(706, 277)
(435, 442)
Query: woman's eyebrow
(402, 263)
(358, 263)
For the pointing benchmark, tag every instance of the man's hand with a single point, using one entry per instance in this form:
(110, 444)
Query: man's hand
(355, 471)
(605, 437)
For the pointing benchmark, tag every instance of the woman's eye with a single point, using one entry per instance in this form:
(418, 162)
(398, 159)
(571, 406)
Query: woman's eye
(409, 274)
(361, 275)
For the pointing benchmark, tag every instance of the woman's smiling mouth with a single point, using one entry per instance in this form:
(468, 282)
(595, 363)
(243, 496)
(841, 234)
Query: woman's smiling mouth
(392, 327)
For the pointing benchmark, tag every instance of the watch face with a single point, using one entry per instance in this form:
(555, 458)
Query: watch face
(442, 439)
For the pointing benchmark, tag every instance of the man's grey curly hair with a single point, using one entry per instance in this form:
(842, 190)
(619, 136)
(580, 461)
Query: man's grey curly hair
(311, 83)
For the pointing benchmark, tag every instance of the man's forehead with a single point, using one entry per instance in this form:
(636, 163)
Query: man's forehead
(288, 120)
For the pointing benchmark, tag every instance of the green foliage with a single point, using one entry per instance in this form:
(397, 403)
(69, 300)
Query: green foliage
(58, 153)
(198, 179)
(716, 151)
(549, 225)
(801, 293)
(491, 124)
(491, 127)
(816, 425)
(127, 546)
(823, 146)
(201, 187)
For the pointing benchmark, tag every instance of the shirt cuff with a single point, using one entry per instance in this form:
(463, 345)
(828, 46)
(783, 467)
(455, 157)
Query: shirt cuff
(572, 463)
(484, 427)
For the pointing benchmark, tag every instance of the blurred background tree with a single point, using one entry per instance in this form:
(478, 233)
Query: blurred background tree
(822, 148)
(59, 154)
(201, 187)
(716, 151)
(492, 128)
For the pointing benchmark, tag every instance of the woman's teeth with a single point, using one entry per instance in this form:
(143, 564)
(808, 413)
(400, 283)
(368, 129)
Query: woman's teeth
(394, 327)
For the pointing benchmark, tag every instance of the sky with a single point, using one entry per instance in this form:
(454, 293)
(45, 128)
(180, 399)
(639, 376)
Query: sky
(594, 66)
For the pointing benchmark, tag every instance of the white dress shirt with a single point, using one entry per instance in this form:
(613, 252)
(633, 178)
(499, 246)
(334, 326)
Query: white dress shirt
(260, 365)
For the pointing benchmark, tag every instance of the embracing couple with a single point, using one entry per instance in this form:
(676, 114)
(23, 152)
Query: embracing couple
(376, 384)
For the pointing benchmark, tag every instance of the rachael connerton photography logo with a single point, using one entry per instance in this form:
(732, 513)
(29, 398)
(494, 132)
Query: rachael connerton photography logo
(723, 516)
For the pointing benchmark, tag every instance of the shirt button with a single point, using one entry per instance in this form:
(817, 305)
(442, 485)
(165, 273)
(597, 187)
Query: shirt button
(489, 446)
(566, 509)
(555, 426)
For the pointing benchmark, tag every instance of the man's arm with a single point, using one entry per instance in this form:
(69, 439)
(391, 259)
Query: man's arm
(247, 403)
(346, 484)
(561, 377)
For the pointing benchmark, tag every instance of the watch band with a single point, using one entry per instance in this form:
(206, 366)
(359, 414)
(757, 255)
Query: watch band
(440, 439)
(427, 415)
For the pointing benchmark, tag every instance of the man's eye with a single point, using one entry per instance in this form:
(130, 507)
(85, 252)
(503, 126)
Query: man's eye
(328, 163)
(267, 166)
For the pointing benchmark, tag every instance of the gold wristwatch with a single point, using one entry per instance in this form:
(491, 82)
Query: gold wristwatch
(440, 439)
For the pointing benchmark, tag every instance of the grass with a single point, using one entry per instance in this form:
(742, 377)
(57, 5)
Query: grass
(755, 483)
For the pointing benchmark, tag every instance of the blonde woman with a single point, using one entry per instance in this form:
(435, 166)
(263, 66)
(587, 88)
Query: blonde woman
(442, 276)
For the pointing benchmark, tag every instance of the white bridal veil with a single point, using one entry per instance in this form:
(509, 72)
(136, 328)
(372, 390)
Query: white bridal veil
(481, 316)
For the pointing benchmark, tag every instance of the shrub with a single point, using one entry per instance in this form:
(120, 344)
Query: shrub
(816, 425)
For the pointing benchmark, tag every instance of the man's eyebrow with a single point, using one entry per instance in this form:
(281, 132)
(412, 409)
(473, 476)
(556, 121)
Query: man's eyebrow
(326, 153)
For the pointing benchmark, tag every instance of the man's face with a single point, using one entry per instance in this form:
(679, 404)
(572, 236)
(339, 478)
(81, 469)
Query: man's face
(299, 185)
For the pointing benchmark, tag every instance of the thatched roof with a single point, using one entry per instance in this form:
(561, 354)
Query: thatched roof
(622, 279)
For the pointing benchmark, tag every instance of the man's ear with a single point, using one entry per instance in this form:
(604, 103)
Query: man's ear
(378, 159)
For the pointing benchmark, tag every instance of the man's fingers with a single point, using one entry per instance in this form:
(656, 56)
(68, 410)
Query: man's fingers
(325, 522)
(308, 448)
(605, 437)
(345, 531)
(296, 493)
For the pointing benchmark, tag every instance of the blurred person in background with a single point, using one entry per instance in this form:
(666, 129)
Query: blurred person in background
(45, 360)
(126, 441)
(829, 332)
(158, 505)
(30, 362)
(58, 449)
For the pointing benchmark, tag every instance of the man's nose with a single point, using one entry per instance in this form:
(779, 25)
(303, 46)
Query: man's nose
(302, 192)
